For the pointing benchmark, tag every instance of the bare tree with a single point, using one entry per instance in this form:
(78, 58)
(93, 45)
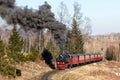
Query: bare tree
(84, 24)
(87, 26)
(77, 13)
(63, 14)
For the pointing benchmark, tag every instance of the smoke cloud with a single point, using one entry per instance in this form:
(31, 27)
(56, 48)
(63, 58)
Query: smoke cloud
(7, 3)
(33, 19)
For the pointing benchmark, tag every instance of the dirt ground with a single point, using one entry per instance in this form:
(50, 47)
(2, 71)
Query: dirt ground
(109, 70)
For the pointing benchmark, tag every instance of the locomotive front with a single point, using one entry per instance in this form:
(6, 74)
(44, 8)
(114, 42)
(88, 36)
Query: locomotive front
(61, 61)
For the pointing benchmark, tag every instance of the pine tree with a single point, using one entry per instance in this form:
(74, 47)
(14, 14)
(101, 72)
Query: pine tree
(75, 41)
(15, 46)
(2, 54)
(5, 67)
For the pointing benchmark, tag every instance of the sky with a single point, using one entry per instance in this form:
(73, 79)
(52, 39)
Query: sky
(104, 14)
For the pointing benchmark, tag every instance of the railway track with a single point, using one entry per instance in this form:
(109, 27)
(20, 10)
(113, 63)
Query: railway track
(47, 75)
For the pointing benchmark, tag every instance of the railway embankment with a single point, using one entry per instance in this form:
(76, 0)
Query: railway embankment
(108, 70)
(30, 71)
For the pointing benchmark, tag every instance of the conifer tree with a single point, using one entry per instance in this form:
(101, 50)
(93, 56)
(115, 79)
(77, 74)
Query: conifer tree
(75, 41)
(5, 67)
(15, 46)
(2, 53)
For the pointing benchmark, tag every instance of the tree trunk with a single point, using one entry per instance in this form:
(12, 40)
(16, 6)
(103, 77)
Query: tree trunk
(40, 42)
(29, 45)
(26, 46)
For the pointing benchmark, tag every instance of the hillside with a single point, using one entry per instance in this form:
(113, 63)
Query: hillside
(95, 71)
(30, 71)
(95, 43)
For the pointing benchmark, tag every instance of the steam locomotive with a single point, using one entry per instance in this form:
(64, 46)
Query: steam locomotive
(65, 60)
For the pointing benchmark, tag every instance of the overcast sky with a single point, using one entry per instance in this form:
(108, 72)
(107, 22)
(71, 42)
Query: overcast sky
(104, 14)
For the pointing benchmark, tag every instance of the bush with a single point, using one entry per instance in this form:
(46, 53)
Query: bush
(30, 57)
(110, 54)
(22, 58)
(8, 70)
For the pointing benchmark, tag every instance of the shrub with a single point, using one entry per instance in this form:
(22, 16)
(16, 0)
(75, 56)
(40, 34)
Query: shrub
(30, 57)
(110, 53)
(8, 70)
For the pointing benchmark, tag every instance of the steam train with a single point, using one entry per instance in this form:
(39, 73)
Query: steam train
(64, 61)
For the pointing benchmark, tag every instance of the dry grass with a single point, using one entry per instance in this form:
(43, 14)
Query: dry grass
(95, 71)
(30, 70)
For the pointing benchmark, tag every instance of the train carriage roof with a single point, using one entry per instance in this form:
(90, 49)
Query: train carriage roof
(83, 54)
